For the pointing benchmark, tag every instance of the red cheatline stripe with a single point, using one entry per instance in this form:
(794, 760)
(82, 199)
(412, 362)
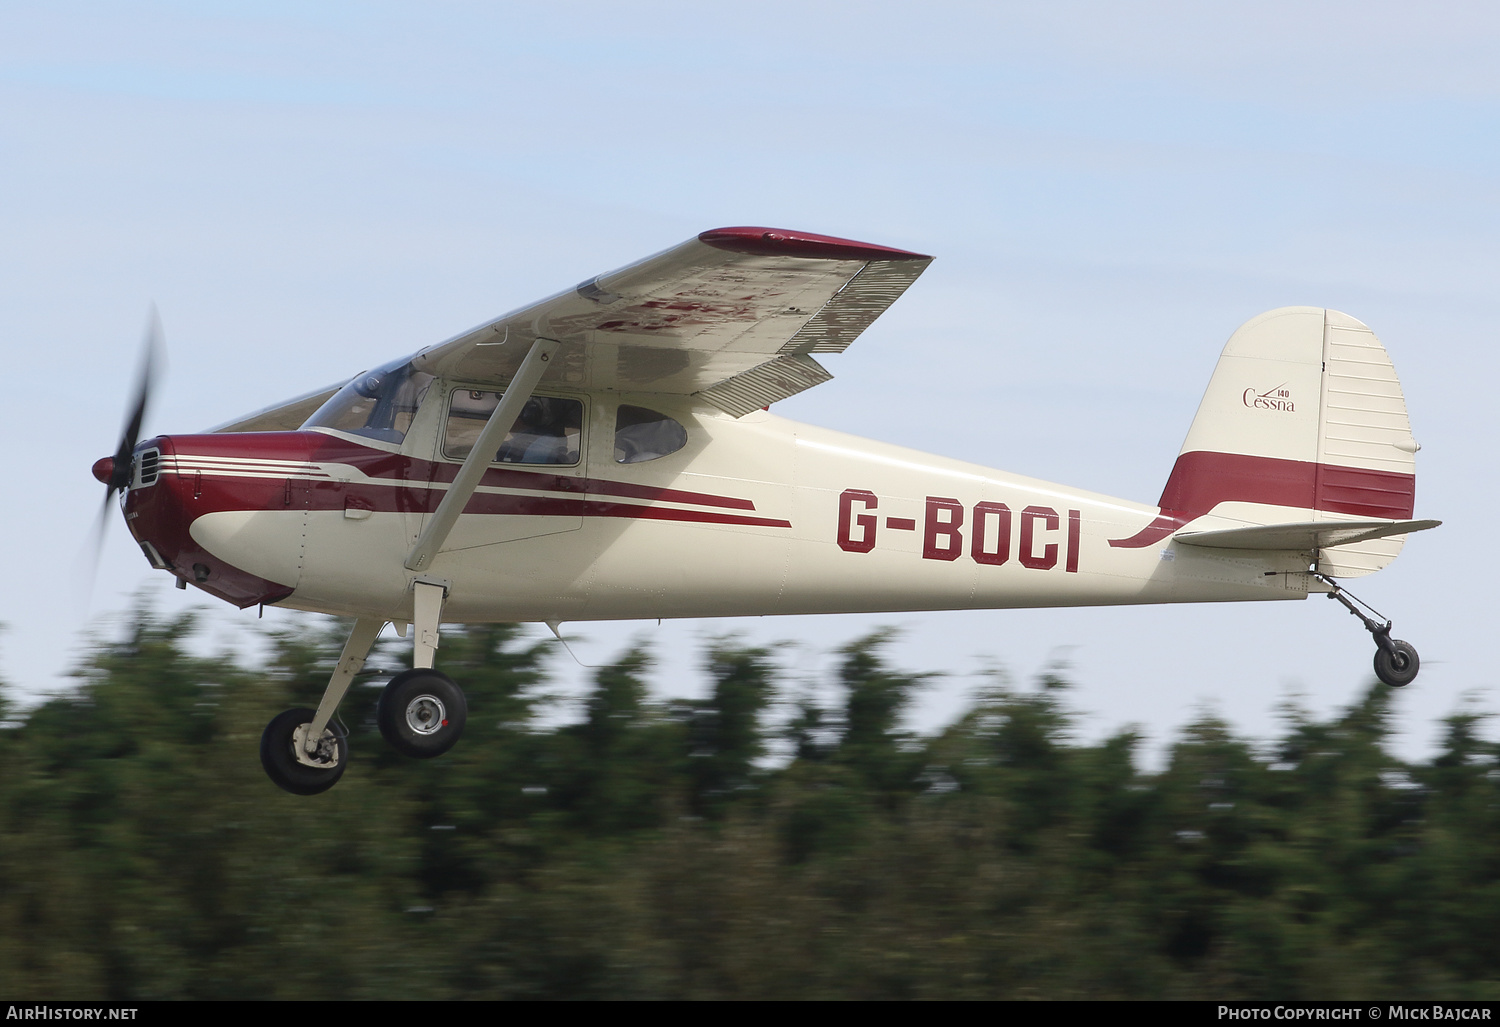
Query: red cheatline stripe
(316, 447)
(220, 494)
(661, 513)
(1151, 533)
(1201, 481)
(546, 506)
(544, 481)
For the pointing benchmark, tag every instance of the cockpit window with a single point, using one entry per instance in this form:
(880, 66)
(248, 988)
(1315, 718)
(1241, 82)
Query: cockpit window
(378, 404)
(642, 435)
(548, 431)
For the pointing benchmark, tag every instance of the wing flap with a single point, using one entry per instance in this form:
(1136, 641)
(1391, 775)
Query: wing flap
(765, 383)
(1302, 535)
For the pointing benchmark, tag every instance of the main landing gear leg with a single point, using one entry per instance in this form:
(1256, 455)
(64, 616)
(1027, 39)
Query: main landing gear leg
(422, 712)
(1396, 662)
(427, 607)
(299, 749)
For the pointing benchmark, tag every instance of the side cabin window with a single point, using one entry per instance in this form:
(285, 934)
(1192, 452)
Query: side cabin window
(642, 435)
(549, 430)
(378, 404)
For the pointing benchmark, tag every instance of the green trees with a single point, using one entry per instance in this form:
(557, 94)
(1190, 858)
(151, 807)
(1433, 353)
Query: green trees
(749, 844)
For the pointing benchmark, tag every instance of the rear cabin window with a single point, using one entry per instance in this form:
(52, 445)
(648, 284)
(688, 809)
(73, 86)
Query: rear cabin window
(642, 434)
(548, 431)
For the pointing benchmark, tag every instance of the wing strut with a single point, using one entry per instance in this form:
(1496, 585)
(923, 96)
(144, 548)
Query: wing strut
(478, 461)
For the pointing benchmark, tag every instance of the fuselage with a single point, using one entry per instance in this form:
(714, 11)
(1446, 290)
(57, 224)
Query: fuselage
(752, 516)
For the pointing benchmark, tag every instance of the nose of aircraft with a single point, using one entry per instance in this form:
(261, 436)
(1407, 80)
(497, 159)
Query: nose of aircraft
(165, 500)
(104, 469)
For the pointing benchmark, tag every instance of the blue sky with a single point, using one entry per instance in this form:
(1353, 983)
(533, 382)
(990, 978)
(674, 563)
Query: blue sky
(1110, 190)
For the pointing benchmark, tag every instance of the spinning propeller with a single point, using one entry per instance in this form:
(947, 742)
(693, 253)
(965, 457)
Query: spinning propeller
(116, 471)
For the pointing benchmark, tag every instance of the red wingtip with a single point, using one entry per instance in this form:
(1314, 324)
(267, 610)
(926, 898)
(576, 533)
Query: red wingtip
(771, 242)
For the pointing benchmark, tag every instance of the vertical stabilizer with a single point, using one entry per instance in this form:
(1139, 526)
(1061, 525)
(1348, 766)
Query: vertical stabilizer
(1303, 420)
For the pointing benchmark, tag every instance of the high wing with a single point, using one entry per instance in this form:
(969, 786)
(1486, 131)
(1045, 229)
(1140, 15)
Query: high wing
(731, 317)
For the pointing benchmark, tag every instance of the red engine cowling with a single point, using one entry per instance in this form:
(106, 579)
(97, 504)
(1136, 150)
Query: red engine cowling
(163, 500)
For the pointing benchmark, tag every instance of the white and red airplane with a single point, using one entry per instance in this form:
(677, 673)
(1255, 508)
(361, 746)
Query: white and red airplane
(607, 453)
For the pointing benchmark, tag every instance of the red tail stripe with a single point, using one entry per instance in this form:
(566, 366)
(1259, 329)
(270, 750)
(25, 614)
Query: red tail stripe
(1366, 492)
(1201, 481)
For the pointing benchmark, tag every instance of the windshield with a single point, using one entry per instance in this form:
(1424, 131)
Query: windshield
(378, 404)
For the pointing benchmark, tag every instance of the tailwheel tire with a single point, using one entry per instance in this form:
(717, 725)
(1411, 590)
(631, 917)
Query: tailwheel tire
(1397, 668)
(421, 713)
(279, 758)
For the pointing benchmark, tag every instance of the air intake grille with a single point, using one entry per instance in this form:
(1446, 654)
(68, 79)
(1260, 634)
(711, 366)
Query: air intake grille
(147, 468)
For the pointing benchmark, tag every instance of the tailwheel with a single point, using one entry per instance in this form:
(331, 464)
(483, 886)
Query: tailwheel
(421, 713)
(1397, 665)
(1396, 662)
(285, 756)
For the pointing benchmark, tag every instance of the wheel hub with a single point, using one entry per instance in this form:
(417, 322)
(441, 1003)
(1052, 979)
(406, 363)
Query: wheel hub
(326, 754)
(426, 715)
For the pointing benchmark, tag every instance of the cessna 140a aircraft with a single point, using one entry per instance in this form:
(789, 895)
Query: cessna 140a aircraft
(608, 453)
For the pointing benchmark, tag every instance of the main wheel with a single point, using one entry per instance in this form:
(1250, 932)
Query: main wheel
(1398, 668)
(421, 713)
(280, 759)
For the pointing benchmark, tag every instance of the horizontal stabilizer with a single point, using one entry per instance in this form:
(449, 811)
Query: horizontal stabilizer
(1302, 535)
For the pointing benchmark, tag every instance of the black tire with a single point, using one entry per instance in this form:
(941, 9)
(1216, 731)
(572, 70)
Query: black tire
(281, 764)
(421, 713)
(1398, 668)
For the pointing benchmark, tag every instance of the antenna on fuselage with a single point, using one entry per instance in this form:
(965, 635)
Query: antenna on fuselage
(556, 627)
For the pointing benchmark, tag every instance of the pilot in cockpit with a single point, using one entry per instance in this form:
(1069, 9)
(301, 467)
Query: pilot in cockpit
(541, 434)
